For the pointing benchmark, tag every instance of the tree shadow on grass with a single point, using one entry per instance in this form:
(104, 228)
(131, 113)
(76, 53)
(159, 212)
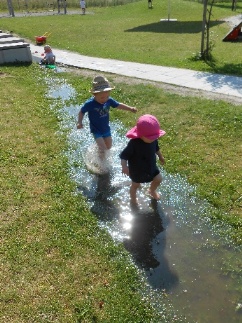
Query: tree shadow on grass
(230, 69)
(174, 27)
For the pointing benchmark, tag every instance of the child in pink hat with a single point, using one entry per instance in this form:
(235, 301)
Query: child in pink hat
(138, 159)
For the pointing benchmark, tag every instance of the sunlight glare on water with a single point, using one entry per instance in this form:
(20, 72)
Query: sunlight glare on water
(179, 252)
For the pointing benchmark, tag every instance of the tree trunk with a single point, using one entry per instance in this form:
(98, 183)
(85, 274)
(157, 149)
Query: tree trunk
(204, 26)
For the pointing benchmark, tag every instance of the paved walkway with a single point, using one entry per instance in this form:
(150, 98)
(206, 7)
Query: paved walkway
(215, 83)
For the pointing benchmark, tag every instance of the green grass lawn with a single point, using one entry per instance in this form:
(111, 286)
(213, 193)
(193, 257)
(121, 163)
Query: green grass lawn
(57, 265)
(132, 32)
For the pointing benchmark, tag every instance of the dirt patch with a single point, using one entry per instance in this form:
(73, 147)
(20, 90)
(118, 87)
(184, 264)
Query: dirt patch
(183, 91)
(3, 74)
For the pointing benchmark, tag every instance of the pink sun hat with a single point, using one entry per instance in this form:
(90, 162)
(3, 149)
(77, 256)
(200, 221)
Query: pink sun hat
(147, 126)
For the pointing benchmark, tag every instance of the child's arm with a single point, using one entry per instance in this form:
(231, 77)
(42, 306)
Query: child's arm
(161, 158)
(125, 168)
(53, 60)
(79, 122)
(126, 107)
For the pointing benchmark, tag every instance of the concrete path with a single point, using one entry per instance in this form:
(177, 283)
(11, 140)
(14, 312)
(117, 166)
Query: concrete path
(214, 83)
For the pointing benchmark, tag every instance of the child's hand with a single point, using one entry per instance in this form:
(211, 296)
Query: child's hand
(162, 160)
(79, 125)
(133, 109)
(125, 170)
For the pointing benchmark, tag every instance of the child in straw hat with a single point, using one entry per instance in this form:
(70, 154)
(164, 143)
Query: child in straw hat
(97, 108)
(138, 159)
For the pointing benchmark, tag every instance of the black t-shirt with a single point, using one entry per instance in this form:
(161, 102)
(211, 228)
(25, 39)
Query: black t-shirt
(141, 159)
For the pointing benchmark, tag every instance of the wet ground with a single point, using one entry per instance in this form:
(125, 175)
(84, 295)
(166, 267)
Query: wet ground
(179, 253)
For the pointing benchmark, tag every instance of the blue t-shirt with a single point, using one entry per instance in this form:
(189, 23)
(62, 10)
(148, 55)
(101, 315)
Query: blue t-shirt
(98, 114)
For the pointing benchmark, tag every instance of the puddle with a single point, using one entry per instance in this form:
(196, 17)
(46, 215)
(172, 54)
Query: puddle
(182, 257)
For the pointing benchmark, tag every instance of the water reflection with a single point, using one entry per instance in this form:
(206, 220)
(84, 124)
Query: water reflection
(147, 225)
(138, 226)
(102, 204)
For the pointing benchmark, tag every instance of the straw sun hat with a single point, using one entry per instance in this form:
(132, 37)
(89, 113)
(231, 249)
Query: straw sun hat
(100, 84)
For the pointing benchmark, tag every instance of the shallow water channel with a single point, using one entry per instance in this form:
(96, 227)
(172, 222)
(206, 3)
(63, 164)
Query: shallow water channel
(177, 250)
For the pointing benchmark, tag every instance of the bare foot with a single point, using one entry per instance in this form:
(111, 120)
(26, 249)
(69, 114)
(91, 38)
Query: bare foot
(134, 201)
(154, 195)
(133, 190)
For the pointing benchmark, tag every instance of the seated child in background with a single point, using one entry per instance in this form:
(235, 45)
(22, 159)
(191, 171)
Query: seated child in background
(49, 58)
(138, 159)
(97, 108)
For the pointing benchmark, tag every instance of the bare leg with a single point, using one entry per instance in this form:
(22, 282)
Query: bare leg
(153, 186)
(133, 190)
(108, 142)
(103, 144)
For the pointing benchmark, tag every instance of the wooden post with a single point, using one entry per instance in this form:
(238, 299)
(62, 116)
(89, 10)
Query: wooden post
(169, 10)
(234, 2)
